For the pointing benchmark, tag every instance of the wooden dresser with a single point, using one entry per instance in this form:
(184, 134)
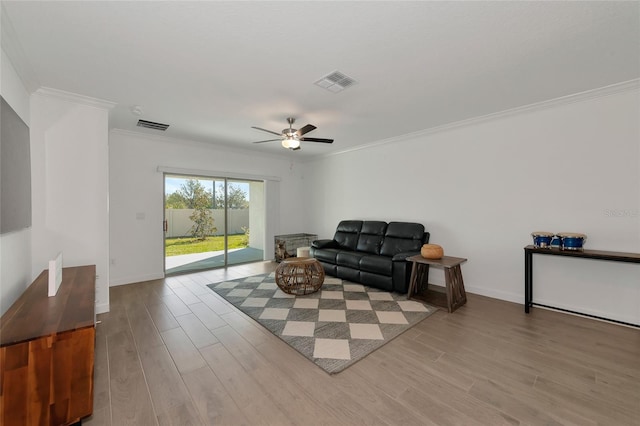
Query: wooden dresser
(47, 352)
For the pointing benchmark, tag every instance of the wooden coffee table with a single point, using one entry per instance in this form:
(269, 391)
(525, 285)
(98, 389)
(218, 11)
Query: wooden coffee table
(299, 275)
(455, 295)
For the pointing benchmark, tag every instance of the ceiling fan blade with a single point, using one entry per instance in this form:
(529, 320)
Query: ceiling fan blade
(317, 140)
(265, 130)
(306, 129)
(295, 149)
(269, 140)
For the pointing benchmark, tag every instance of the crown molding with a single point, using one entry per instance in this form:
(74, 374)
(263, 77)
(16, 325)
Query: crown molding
(587, 95)
(200, 144)
(74, 98)
(13, 49)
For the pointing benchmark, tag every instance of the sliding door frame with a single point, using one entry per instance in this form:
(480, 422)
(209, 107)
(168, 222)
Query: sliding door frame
(271, 203)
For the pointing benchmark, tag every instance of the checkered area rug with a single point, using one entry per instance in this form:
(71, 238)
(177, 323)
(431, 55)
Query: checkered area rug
(334, 327)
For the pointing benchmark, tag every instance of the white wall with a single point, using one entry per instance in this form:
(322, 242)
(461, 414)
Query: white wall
(69, 142)
(136, 195)
(15, 247)
(481, 188)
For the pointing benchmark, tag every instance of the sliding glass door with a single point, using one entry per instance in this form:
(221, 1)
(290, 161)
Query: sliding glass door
(243, 204)
(212, 222)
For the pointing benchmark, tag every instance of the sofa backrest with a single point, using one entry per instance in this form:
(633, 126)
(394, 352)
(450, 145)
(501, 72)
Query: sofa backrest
(371, 236)
(347, 234)
(401, 237)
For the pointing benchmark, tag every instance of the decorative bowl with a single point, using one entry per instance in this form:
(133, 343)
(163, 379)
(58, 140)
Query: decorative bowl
(431, 251)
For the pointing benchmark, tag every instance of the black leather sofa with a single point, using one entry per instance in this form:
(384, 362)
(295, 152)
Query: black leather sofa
(372, 253)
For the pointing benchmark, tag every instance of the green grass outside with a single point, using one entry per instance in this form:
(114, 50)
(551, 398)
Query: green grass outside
(176, 246)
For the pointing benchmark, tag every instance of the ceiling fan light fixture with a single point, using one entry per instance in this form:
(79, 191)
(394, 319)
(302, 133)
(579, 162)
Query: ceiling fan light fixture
(290, 142)
(294, 143)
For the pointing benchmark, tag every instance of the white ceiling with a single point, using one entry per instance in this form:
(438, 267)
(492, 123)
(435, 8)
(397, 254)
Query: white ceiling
(214, 69)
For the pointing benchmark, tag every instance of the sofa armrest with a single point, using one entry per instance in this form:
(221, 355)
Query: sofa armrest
(323, 244)
(401, 257)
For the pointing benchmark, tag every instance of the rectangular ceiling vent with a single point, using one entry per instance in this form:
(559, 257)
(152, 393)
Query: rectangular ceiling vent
(151, 125)
(335, 82)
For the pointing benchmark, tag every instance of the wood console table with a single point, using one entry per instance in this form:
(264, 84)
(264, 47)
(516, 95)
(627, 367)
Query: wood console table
(529, 251)
(47, 352)
(418, 287)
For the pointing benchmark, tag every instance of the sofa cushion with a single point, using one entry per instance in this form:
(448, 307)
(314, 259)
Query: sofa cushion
(371, 236)
(347, 234)
(326, 255)
(323, 244)
(377, 264)
(329, 269)
(401, 237)
(349, 258)
(377, 281)
(348, 274)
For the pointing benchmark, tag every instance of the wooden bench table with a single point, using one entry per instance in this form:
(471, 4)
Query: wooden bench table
(454, 296)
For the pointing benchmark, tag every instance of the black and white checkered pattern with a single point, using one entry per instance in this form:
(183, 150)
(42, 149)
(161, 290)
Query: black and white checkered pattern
(334, 327)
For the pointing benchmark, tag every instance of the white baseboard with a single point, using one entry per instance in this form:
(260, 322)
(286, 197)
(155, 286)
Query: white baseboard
(589, 311)
(135, 279)
(519, 299)
(102, 308)
(497, 294)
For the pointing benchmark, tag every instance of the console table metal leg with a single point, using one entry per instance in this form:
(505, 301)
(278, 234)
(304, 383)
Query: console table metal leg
(528, 278)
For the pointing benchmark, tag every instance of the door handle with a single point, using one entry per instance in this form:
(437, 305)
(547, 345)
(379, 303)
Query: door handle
(165, 225)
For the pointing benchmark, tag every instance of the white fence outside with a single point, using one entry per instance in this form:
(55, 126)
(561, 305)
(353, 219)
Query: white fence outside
(179, 224)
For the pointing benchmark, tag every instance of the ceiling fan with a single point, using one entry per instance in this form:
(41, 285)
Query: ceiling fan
(291, 137)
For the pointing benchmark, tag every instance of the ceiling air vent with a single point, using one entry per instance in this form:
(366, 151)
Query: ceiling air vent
(335, 82)
(152, 125)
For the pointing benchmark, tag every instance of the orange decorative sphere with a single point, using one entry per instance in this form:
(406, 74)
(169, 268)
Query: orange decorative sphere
(431, 251)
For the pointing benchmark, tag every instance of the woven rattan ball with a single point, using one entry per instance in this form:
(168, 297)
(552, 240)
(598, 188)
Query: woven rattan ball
(431, 251)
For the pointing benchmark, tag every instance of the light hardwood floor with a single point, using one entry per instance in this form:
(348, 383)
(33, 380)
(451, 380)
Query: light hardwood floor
(171, 352)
